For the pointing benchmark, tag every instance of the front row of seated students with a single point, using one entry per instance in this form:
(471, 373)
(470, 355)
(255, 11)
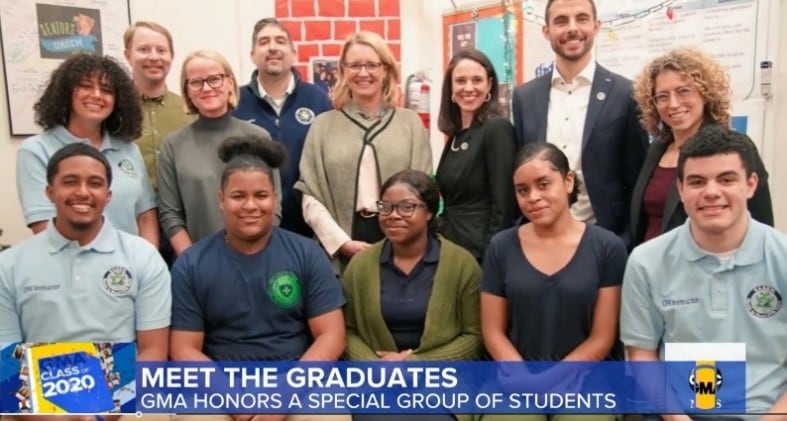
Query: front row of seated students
(550, 289)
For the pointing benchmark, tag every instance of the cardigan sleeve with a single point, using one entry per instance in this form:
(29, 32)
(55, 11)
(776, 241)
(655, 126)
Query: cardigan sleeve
(467, 345)
(760, 205)
(356, 349)
(421, 158)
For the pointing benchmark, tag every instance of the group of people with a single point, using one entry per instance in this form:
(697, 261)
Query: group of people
(304, 227)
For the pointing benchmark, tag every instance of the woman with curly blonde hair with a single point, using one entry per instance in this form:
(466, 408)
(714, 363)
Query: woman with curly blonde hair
(679, 93)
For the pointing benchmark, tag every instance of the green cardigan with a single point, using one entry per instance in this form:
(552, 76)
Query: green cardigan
(452, 330)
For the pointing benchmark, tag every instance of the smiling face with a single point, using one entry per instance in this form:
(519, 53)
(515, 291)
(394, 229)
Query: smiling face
(542, 192)
(402, 227)
(679, 104)
(208, 100)
(571, 28)
(272, 53)
(248, 200)
(470, 85)
(92, 101)
(80, 192)
(364, 73)
(714, 191)
(150, 56)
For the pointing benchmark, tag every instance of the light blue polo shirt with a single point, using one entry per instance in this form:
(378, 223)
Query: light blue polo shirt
(54, 290)
(673, 291)
(132, 193)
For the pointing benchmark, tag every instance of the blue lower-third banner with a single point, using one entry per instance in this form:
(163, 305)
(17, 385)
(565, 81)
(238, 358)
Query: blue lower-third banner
(705, 387)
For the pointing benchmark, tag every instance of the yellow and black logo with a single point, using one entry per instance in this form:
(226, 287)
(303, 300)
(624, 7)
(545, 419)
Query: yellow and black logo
(705, 380)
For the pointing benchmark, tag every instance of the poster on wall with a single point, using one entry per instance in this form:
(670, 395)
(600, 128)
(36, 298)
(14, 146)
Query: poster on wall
(324, 72)
(37, 37)
(491, 29)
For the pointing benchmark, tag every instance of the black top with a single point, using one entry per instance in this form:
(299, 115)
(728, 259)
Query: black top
(476, 182)
(550, 315)
(405, 298)
(674, 215)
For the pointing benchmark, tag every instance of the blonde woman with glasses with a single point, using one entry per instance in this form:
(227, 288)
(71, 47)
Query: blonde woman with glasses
(351, 149)
(679, 93)
(189, 168)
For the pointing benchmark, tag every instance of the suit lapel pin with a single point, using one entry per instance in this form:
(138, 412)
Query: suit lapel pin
(601, 96)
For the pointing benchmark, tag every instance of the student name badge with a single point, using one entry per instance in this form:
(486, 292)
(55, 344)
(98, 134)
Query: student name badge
(708, 377)
(62, 378)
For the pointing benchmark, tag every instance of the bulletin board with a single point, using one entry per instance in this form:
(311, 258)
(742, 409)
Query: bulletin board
(492, 28)
(37, 37)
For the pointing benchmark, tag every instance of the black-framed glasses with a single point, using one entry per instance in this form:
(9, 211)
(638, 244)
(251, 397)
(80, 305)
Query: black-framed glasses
(213, 81)
(357, 67)
(404, 209)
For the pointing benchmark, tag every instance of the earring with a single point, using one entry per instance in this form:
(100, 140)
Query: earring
(488, 97)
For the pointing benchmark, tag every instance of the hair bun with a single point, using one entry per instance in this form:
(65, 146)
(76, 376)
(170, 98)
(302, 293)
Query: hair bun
(271, 152)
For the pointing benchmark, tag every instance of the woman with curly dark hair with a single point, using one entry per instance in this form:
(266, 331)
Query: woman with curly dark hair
(679, 93)
(90, 99)
(476, 165)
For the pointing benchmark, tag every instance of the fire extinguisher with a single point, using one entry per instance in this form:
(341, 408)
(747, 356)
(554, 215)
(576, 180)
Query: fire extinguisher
(417, 96)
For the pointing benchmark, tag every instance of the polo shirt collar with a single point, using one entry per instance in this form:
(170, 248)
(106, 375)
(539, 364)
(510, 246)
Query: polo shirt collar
(750, 251)
(65, 137)
(287, 92)
(105, 241)
(432, 252)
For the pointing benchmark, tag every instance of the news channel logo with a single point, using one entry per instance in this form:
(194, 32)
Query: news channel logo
(705, 381)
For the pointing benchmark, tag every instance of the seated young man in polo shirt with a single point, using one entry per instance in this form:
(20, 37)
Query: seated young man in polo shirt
(82, 280)
(720, 277)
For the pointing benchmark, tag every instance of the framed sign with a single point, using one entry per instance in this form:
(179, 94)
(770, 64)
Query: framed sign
(324, 72)
(38, 35)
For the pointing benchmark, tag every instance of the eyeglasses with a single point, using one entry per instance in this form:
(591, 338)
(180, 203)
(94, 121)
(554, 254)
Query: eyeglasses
(357, 67)
(682, 94)
(404, 209)
(213, 81)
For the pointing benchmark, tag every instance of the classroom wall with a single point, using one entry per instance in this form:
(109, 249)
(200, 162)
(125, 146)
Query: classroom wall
(227, 28)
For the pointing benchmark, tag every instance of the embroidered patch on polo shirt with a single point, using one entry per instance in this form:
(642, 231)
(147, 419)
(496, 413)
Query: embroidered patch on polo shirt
(763, 301)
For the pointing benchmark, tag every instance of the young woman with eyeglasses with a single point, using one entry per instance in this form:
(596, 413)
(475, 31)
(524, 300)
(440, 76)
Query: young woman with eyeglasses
(351, 149)
(189, 168)
(414, 295)
(679, 93)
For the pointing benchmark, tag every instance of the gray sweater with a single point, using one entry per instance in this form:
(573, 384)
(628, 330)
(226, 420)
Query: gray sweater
(189, 175)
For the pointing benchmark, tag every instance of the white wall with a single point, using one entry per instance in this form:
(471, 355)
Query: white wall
(227, 26)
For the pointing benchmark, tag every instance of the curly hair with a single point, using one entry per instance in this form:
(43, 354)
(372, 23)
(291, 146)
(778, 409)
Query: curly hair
(450, 117)
(342, 94)
(55, 105)
(710, 80)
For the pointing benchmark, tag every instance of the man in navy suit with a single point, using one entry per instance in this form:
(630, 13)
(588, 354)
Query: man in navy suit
(588, 112)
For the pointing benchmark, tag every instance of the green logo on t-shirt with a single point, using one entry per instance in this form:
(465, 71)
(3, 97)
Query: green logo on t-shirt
(284, 288)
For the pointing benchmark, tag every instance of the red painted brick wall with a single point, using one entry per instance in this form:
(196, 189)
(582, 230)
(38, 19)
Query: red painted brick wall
(319, 27)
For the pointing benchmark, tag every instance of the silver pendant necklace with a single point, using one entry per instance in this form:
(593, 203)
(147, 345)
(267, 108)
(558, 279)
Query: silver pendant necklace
(462, 147)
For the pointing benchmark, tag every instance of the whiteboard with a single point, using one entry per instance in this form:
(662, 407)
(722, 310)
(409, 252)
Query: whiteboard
(633, 32)
(38, 36)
